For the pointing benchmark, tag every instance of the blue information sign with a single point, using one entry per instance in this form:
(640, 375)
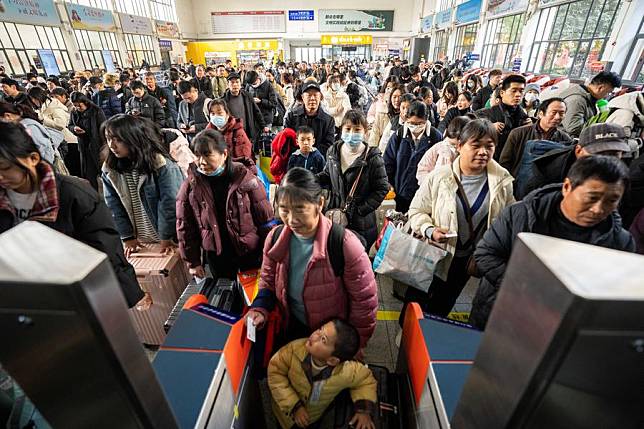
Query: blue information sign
(300, 15)
(468, 12)
(443, 18)
(49, 62)
(473, 57)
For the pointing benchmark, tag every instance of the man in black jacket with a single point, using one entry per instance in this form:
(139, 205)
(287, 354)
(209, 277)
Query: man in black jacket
(144, 105)
(418, 82)
(310, 113)
(583, 209)
(193, 116)
(203, 82)
(508, 114)
(165, 97)
(598, 139)
(12, 92)
(263, 94)
(480, 99)
(242, 106)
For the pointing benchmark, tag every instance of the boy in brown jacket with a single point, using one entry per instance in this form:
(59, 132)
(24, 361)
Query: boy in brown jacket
(307, 374)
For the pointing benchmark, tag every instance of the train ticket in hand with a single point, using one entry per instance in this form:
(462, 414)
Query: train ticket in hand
(250, 329)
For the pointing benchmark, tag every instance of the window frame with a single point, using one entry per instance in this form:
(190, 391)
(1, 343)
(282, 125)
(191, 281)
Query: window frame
(634, 63)
(461, 31)
(492, 44)
(441, 42)
(87, 51)
(137, 54)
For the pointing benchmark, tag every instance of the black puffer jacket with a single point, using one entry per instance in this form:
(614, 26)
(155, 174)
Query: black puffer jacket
(551, 167)
(322, 123)
(84, 216)
(268, 100)
(533, 214)
(370, 192)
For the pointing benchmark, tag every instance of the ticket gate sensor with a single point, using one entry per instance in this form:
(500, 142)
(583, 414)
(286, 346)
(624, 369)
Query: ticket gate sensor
(564, 346)
(67, 338)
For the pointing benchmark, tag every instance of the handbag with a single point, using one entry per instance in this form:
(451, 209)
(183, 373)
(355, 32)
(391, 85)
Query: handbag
(339, 216)
(471, 267)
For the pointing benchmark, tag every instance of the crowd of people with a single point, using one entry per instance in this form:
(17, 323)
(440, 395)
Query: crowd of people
(473, 159)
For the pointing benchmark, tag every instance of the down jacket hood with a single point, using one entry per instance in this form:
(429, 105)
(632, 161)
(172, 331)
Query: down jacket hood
(633, 102)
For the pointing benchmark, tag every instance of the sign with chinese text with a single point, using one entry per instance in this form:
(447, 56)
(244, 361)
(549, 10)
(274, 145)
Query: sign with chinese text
(468, 12)
(37, 12)
(301, 15)
(167, 29)
(345, 39)
(426, 23)
(355, 20)
(444, 18)
(134, 24)
(506, 7)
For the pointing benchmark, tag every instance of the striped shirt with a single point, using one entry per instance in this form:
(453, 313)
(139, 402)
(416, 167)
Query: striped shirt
(477, 192)
(143, 228)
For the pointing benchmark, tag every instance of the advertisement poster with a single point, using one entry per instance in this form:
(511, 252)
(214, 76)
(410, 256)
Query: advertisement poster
(167, 29)
(468, 12)
(48, 61)
(344, 20)
(506, 7)
(135, 24)
(90, 18)
(41, 12)
(444, 18)
(426, 24)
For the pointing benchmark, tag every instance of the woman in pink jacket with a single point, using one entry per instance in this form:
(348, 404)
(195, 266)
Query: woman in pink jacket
(299, 272)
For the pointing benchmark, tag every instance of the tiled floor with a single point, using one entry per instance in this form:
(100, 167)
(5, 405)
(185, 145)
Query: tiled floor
(382, 349)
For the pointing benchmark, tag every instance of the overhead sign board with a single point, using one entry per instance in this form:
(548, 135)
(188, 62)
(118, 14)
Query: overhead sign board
(469, 11)
(40, 12)
(506, 7)
(167, 29)
(90, 18)
(252, 21)
(135, 24)
(346, 20)
(444, 18)
(48, 60)
(301, 15)
(426, 24)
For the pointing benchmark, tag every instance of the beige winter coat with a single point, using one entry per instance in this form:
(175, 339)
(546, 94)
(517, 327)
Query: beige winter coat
(336, 104)
(434, 204)
(54, 114)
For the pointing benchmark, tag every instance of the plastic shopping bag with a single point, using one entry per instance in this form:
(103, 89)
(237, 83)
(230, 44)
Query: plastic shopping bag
(407, 259)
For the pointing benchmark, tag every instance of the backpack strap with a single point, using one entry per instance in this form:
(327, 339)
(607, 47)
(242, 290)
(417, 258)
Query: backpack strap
(334, 246)
(335, 249)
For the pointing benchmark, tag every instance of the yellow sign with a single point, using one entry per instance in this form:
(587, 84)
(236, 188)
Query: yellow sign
(349, 39)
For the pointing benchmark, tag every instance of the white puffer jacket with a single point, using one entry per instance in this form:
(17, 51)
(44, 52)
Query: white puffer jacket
(54, 114)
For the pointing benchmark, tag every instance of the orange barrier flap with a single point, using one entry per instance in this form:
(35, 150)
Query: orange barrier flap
(249, 281)
(236, 353)
(415, 348)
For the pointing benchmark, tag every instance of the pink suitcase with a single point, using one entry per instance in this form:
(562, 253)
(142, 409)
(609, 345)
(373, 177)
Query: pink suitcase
(165, 278)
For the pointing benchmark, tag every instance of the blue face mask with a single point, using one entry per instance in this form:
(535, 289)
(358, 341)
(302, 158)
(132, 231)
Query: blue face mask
(218, 121)
(215, 173)
(352, 139)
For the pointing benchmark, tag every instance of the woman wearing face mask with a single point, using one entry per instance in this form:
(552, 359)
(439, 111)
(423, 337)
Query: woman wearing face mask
(405, 149)
(287, 83)
(463, 199)
(297, 272)
(85, 122)
(335, 101)
(442, 153)
(396, 121)
(462, 108)
(448, 99)
(473, 83)
(350, 160)
(382, 119)
(222, 209)
(239, 145)
(530, 101)
(140, 183)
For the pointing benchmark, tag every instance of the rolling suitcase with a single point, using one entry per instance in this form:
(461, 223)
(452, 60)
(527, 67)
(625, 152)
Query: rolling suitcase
(165, 277)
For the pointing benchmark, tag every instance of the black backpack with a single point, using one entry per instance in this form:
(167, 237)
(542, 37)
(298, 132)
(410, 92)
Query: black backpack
(334, 246)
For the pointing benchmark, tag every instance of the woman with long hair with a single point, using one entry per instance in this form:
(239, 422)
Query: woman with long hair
(24, 115)
(85, 122)
(448, 98)
(140, 183)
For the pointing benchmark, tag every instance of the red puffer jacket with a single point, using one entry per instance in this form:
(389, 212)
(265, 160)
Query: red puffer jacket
(352, 297)
(248, 215)
(236, 139)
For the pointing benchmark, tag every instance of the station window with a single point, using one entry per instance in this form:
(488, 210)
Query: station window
(141, 47)
(571, 38)
(440, 45)
(133, 7)
(465, 40)
(93, 43)
(633, 70)
(20, 43)
(501, 43)
(164, 10)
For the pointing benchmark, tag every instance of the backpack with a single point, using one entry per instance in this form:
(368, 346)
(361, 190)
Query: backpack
(599, 118)
(533, 149)
(334, 246)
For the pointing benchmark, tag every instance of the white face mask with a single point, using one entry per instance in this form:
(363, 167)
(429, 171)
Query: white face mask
(530, 97)
(335, 86)
(416, 129)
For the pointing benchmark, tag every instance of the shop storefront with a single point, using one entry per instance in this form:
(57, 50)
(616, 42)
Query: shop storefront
(238, 51)
(347, 46)
(571, 37)
(95, 32)
(140, 43)
(31, 36)
(506, 20)
(467, 16)
(443, 20)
